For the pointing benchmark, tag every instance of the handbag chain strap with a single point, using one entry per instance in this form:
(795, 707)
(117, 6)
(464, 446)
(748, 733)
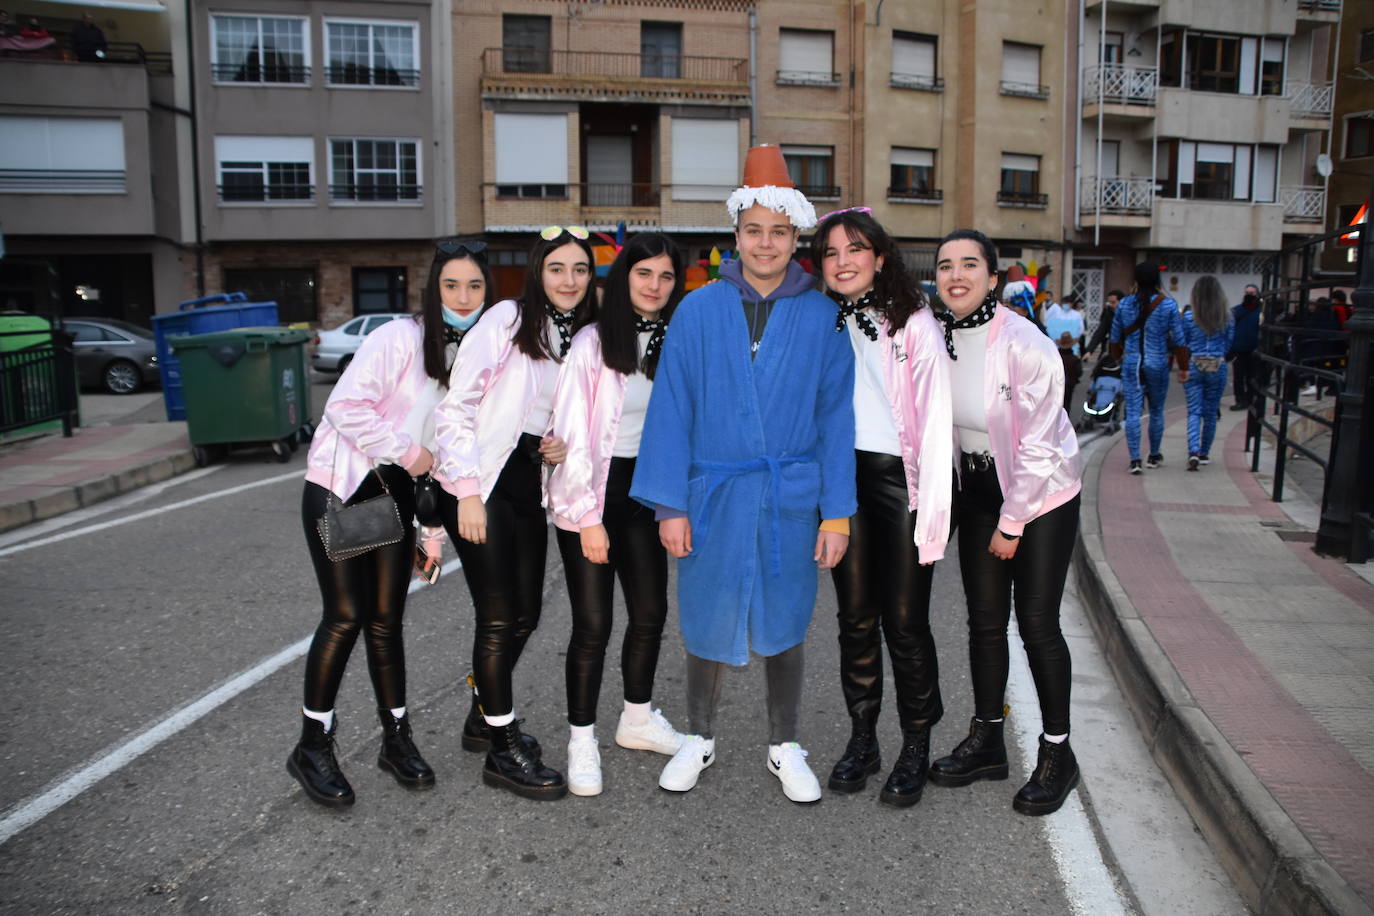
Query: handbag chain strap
(334, 465)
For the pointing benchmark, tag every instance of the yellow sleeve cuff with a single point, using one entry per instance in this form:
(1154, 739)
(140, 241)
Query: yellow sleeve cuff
(836, 526)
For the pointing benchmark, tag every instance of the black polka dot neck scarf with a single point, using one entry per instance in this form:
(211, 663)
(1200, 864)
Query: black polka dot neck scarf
(980, 316)
(855, 308)
(564, 322)
(657, 328)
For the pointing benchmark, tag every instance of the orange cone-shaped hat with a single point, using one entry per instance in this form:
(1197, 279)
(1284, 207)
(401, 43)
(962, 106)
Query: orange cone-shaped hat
(764, 165)
(767, 183)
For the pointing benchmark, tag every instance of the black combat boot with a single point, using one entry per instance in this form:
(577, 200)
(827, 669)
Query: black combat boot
(982, 755)
(860, 759)
(477, 738)
(1056, 773)
(399, 756)
(314, 766)
(907, 780)
(510, 766)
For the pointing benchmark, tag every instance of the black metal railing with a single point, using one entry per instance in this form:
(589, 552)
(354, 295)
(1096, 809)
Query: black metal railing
(116, 52)
(807, 78)
(500, 61)
(1022, 199)
(619, 194)
(72, 181)
(917, 81)
(916, 193)
(265, 193)
(354, 75)
(255, 72)
(370, 192)
(38, 382)
(1024, 90)
(820, 191)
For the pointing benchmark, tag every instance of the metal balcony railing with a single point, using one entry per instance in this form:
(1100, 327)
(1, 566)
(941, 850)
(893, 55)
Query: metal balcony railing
(1117, 196)
(501, 61)
(265, 193)
(619, 194)
(1023, 199)
(931, 194)
(1120, 84)
(1313, 100)
(1024, 90)
(917, 81)
(807, 78)
(820, 191)
(410, 193)
(355, 75)
(1303, 203)
(62, 181)
(254, 72)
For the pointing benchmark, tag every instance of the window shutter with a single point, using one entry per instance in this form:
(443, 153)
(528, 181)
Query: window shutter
(705, 158)
(531, 149)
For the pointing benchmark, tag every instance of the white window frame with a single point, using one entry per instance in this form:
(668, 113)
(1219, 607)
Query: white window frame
(334, 178)
(43, 155)
(215, 64)
(798, 50)
(241, 149)
(370, 24)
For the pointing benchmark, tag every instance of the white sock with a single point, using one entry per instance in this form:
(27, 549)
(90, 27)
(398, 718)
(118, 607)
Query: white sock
(326, 717)
(398, 712)
(498, 721)
(998, 719)
(636, 713)
(1057, 739)
(582, 733)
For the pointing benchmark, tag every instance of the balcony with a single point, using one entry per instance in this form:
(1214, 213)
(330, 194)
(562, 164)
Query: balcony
(595, 76)
(917, 81)
(808, 78)
(1303, 204)
(1023, 200)
(915, 195)
(1116, 202)
(1317, 12)
(1310, 100)
(1128, 91)
(1023, 90)
(269, 193)
(620, 194)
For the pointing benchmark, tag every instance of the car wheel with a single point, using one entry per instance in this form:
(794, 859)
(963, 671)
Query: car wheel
(121, 377)
(343, 363)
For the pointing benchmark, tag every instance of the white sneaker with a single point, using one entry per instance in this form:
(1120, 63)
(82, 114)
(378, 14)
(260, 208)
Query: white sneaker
(788, 763)
(657, 735)
(584, 767)
(681, 773)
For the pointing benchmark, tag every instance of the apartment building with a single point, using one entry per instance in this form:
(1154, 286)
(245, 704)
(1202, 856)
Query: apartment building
(1352, 141)
(1201, 128)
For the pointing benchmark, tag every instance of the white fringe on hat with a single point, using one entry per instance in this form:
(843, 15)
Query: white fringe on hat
(782, 200)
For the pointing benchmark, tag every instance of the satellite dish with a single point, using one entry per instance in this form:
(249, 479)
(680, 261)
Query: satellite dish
(1324, 165)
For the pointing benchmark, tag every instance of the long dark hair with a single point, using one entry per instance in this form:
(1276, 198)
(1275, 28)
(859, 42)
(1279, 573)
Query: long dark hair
(896, 294)
(1210, 308)
(431, 315)
(1146, 281)
(532, 337)
(615, 322)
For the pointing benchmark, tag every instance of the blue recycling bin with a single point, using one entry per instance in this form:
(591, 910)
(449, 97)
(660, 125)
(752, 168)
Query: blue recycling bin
(222, 312)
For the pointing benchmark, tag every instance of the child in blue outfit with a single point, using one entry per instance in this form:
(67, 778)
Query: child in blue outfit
(1210, 331)
(1146, 329)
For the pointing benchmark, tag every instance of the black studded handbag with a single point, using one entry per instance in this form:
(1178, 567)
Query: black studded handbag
(351, 531)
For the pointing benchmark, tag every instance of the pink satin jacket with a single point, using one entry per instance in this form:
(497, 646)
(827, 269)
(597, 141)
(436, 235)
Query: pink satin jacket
(916, 377)
(365, 413)
(1032, 439)
(586, 415)
(491, 390)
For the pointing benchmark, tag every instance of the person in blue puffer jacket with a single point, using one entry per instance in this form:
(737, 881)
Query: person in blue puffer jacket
(1146, 329)
(1210, 331)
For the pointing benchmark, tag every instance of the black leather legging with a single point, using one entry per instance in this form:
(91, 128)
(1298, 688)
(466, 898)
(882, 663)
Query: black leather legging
(640, 562)
(506, 574)
(366, 594)
(1037, 573)
(884, 592)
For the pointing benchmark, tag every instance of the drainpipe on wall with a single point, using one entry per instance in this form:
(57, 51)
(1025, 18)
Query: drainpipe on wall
(195, 149)
(753, 74)
(1078, 124)
(1101, 58)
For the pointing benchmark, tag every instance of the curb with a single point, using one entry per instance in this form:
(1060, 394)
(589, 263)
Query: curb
(95, 490)
(1274, 867)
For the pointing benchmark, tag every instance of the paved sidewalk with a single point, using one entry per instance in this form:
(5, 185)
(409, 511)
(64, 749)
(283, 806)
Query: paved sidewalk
(1249, 663)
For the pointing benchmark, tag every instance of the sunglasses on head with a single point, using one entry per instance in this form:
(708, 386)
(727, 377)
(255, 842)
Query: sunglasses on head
(868, 210)
(453, 246)
(549, 233)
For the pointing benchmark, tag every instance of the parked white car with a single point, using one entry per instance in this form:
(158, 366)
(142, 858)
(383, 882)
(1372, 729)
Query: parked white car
(334, 349)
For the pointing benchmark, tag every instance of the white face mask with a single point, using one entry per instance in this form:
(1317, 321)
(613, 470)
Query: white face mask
(462, 322)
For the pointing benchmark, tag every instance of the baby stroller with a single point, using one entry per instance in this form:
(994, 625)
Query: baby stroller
(1105, 397)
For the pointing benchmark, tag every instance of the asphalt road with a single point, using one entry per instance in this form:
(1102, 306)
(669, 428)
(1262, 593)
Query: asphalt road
(118, 631)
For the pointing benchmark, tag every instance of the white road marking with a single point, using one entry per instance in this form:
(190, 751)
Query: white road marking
(149, 513)
(1088, 884)
(27, 813)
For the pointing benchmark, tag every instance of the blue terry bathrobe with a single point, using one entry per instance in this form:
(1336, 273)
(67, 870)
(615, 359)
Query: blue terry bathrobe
(756, 451)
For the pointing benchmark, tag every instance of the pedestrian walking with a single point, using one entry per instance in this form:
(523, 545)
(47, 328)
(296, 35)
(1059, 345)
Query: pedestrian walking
(603, 534)
(1146, 331)
(492, 431)
(1210, 331)
(1018, 517)
(1097, 344)
(376, 434)
(1246, 321)
(748, 457)
(904, 462)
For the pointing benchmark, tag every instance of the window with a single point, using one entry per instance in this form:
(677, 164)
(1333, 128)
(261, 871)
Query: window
(1214, 63)
(1222, 171)
(1171, 58)
(913, 61)
(531, 155)
(1359, 135)
(812, 169)
(806, 58)
(525, 43)
(705, 158)
(379, 289)
(292, 288)
(1111, 48)
(1213, 170)
(1021, 71)
(366, 170)
(1365, 48)
(259, 49)
(1271, 67)
(1021, 181)
(265, 168)
(913, 174)
(372, 53)
(62, 155)
(660, 50)
(90, 333)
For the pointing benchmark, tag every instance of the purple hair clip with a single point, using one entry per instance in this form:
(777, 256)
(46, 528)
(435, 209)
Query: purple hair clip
(868, 210)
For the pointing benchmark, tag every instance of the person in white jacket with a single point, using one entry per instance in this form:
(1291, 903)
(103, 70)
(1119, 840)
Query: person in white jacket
(603, 534)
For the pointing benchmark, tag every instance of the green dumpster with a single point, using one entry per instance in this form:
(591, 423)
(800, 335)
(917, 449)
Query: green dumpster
(246, 386)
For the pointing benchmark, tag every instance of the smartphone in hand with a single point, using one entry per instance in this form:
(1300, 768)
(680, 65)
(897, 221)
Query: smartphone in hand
(430, 575)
